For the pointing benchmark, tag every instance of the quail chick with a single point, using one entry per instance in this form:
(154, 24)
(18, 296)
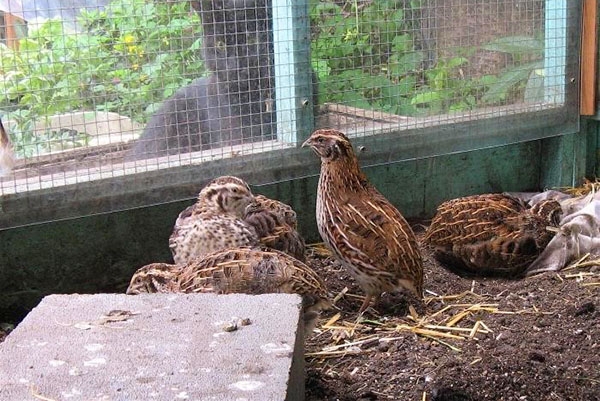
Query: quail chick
(491, 234)
(215, 222)
(284, 212)
(7, 156)
(275, 225)
(155, 277)
(363, 229)
(240, 270)
(257, 271)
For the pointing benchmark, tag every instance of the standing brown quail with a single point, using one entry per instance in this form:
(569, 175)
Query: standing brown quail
(215, 222)
(490, 234)
(366, 233)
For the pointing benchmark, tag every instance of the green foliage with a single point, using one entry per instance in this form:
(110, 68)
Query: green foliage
(365, 56)
(518, 46)
(135, 53)
(126, 58)
(523, 76)
(445, 89)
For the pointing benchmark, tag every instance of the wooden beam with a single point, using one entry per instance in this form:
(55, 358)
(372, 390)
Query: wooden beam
(589, 64)
(11, 22)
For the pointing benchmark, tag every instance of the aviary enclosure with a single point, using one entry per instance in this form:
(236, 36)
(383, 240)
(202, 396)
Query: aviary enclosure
(118, 112)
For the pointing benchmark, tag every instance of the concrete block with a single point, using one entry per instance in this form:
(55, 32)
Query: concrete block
(156, 347)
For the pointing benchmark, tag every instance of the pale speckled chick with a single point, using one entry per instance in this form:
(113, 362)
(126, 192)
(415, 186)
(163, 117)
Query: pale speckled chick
(155, 277)
(215, 222)
(257, 271)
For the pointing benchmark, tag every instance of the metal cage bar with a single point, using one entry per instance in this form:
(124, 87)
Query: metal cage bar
(388, 137)
(555, 50)
(293, 89)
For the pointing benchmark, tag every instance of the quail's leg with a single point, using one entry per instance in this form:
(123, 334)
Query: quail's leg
(365, 304)
(368, 303)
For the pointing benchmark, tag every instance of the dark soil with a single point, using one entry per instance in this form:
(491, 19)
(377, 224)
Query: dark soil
(537, 339)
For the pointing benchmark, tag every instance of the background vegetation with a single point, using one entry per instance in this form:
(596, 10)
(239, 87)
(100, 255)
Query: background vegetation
(134, 54)
(366, 55)
(126, 59)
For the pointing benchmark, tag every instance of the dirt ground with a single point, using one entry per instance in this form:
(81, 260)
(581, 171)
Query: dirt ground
(482, 339)
(473, 339)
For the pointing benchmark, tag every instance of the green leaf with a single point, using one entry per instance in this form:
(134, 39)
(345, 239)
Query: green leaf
(325, 8)
(498, 91)
(426, 97)
(487, 80)
(403, 88)
(534, 90)
(398, 15)
(415, 4)
(456, 62)
(196, 45)
(401, 64)
(355, 99)
(321, 68)
(516, 45)
(402, 43)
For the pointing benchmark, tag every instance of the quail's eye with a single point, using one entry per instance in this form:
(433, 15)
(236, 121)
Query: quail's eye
(321, 140)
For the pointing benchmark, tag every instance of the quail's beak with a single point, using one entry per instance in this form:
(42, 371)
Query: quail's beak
(308, 142)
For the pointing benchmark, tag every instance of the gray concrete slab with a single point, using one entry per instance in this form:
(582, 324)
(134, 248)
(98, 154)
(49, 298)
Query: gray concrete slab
(156, 347)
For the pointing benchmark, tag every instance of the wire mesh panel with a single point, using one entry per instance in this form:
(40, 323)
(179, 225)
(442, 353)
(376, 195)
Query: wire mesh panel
(137, 99)
(434, 62)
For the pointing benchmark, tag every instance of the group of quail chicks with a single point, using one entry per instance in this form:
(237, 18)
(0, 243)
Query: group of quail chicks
(232, 241)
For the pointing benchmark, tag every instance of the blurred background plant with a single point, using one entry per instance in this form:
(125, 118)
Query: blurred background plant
(366, 55)
(133, 54)
(524, 78)
(126, 58)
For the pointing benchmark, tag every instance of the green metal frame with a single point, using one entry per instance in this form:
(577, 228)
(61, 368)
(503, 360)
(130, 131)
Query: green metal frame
(294, 115)
(555, 50)
(293, 78)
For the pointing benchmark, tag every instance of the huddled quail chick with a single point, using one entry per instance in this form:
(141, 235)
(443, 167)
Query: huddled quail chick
(155, 277)
(491, 234)
(245, 270)
(228, 215)
(215, 222)
(363, 229)
(285, 213)
(275, 224)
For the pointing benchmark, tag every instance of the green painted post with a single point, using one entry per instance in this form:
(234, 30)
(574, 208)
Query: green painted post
(563, 160)
(293, 78)
(555, 51)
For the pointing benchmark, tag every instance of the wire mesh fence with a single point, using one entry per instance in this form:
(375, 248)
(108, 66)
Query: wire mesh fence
(105, 89)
